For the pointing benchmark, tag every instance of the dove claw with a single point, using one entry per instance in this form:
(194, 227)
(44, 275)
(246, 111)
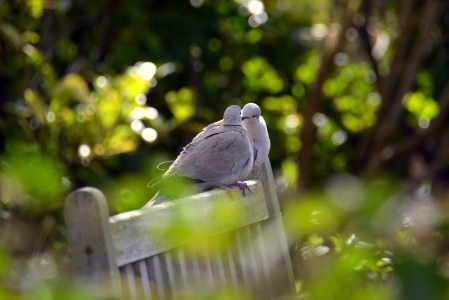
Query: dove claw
(242, 186)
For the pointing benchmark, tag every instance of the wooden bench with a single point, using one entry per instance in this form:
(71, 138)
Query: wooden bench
(212, 243)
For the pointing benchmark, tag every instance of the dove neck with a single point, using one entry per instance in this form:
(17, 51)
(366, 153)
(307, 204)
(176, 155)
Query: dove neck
(232, 125)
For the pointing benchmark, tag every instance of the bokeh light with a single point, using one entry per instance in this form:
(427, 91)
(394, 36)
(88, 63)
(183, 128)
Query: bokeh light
(149, 135)
(147, 70)
(141, 99)
(137, 125)
(341, 59)
(318, 31)
(339, 137)
(292, 121)
(424, 121)
(255, 7)
(138, 113)
(319, 119)
(151, 113)
(351, 34)
(101, 81)
(51, 117)
(84, 150)
(34, 124)
(197, 3)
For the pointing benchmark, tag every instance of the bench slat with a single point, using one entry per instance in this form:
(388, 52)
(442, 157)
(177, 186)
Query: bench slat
(263, 254)
(130, 280)
(276, 245)
(143, 233)
(214, 241)
(143, 274)
(86, 214)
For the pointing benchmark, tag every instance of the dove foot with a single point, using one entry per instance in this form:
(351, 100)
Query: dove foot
(242, 186)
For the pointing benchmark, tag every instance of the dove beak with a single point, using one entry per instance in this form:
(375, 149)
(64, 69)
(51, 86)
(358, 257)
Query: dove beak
(243, 118)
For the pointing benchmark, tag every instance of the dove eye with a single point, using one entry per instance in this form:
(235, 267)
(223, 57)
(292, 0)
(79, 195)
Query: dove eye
(254, 116)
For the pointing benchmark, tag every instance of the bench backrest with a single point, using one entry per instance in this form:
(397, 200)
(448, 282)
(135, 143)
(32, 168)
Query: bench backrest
(213, 242)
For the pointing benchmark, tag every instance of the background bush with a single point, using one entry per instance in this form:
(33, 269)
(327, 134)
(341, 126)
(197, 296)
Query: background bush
(354, 93)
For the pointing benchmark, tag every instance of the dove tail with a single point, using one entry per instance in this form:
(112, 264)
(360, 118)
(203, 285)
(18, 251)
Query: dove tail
(153, 183)
(163, 165)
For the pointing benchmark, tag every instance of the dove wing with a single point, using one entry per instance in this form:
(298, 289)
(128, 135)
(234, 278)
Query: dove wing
(219, 154)
(187, 150)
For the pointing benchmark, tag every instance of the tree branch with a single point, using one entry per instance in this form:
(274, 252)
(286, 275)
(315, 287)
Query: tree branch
(366, 43)
(438, 162)
(386, 125)
(407, 24)
(308, 132)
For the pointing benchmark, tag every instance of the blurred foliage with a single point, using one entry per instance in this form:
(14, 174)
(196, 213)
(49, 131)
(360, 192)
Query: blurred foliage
(99, 92)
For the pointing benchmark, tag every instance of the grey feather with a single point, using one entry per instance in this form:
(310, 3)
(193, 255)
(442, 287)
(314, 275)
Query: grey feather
(219, 155)
(256, 126)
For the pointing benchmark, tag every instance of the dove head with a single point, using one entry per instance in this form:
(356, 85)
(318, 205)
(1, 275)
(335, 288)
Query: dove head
(232, 116)
(251, 113)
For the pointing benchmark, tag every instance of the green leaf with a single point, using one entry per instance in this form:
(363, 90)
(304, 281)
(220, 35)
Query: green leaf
(284, 104)
(306, 73)
(181, 103)
(36, 8)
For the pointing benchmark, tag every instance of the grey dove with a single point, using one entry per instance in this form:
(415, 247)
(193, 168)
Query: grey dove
(257, 128)
(219, 156)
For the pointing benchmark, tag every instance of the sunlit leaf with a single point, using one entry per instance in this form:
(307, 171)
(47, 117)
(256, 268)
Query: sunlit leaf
(285, 104)
(72, 87)
(10, 33)
(132, 84)
(425, 81)
(36, 102)
(306, 73)
(120, 140)
(30, 37)
(293, 144)
(34, 56)
(352, 122)
(181, 103)
(334, 87)
(420, 105)
(33, 179)
(109, 108)
(260, 76)
(290, 171)
(298, 90)
(254, 35)
(36, 8)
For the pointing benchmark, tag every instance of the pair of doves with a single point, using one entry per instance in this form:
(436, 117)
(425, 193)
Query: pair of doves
(224, 152)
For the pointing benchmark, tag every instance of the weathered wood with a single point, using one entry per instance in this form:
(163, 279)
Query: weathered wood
(226, 243)
(130, 282)
(229, 258)
(273, 236)
(263, 258)
(89, 236)
(143, 233)
(145, 279)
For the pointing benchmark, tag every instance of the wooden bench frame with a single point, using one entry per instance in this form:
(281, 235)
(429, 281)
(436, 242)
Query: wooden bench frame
(134, 252)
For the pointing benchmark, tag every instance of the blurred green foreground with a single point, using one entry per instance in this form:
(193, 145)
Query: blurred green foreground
(355, 94)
